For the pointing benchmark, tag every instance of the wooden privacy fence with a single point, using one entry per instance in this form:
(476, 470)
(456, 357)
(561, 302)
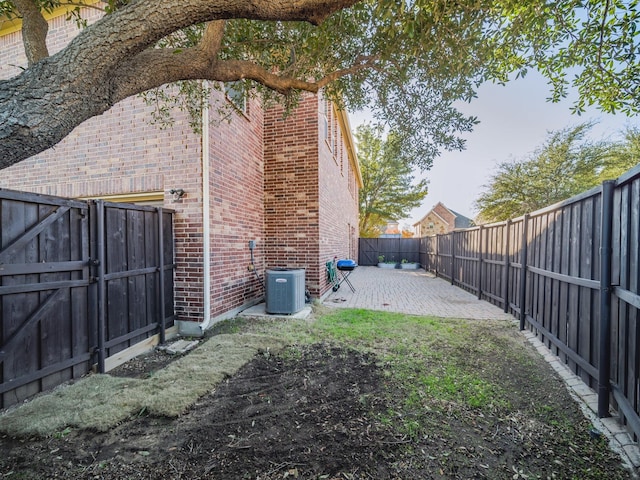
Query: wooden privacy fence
(393, 250)
(79, 282)
(571, 273)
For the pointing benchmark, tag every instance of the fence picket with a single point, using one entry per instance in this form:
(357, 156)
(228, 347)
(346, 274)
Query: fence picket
(49, 301)
(556, 274)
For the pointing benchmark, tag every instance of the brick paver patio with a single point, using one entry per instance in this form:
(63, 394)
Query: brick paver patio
(411, 291)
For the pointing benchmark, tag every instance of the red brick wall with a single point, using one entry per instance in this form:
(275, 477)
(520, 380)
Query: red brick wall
(338, 196)
(128, 155)
(237, 209)
(310, 192)
(120, 152)
(299, 204)
(291, 189)
(446, 215)
(12, 57)
(443, 221)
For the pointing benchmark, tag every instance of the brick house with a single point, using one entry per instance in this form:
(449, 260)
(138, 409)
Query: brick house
(289, 184)
(391, 230)
(441, 219)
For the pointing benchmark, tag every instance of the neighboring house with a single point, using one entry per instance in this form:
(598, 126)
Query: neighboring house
(441, 219)
(289, 184)
(392, 230)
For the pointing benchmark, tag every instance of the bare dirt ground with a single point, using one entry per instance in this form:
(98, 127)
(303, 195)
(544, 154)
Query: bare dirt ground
(324, 411)
(311, 415)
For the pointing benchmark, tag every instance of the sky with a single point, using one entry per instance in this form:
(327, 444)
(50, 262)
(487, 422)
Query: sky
(514, 121)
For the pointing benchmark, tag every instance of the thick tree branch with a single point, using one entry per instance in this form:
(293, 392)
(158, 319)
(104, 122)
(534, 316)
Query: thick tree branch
(212, 38)
(156, 67)
(232, 70)
(43, 104)
(148, 22)
(34, 30)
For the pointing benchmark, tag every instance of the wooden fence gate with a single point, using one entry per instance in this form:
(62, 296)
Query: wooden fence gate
(79, 282)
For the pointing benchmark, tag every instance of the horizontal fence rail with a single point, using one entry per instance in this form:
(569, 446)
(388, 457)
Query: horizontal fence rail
(79, 282)
(570, 273)
(375, 250)
(45, 278)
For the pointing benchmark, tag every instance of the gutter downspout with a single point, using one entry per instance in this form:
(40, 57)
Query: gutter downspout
(206, 223)
(190, 328)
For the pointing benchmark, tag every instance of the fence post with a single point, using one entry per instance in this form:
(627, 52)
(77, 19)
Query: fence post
(161, 323)
(436, 255)
(479, 274)
(453, 256)
(505, 272)
(102, 290)
(523, 270)
(604, 362)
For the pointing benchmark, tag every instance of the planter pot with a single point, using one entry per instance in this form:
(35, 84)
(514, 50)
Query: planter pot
(386, 265)
(409, 266)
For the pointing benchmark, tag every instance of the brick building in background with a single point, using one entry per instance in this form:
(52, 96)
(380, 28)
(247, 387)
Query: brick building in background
(290, 184)
(441, 219)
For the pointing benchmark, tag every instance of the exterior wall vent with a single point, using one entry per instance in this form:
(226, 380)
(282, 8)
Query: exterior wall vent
(285, 290)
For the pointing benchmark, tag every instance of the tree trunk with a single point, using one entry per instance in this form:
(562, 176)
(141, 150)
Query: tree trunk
(42, 105)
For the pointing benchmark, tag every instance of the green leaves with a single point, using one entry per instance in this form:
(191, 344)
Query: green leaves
(592, 45)
(388, 191)
(564, 166)
(410, 61)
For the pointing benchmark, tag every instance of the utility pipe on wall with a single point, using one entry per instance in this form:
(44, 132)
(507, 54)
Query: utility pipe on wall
(190, 328)
(206, 223)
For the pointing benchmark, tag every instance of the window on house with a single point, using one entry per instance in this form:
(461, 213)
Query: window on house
(328, 124)
(325, 120)
(431, 226)
(235, 93)
(341, 156)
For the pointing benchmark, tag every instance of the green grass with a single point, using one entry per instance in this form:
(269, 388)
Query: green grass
(447, 384)
(440, 374)
(425, 360)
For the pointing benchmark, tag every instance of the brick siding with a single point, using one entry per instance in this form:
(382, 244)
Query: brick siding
(442, 219)
(271, 180)
(310, 192)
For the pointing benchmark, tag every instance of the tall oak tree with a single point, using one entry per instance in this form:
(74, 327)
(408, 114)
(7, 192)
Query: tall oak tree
(410, 60)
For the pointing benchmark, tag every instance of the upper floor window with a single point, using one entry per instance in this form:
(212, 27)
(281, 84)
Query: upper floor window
(352, 181)
(235, 93)
(327, 119)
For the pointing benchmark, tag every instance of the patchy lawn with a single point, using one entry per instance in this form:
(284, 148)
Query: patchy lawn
(355, 395)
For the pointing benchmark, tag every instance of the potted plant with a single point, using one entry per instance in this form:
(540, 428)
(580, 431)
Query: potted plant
(387, 264)
(407, 265)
